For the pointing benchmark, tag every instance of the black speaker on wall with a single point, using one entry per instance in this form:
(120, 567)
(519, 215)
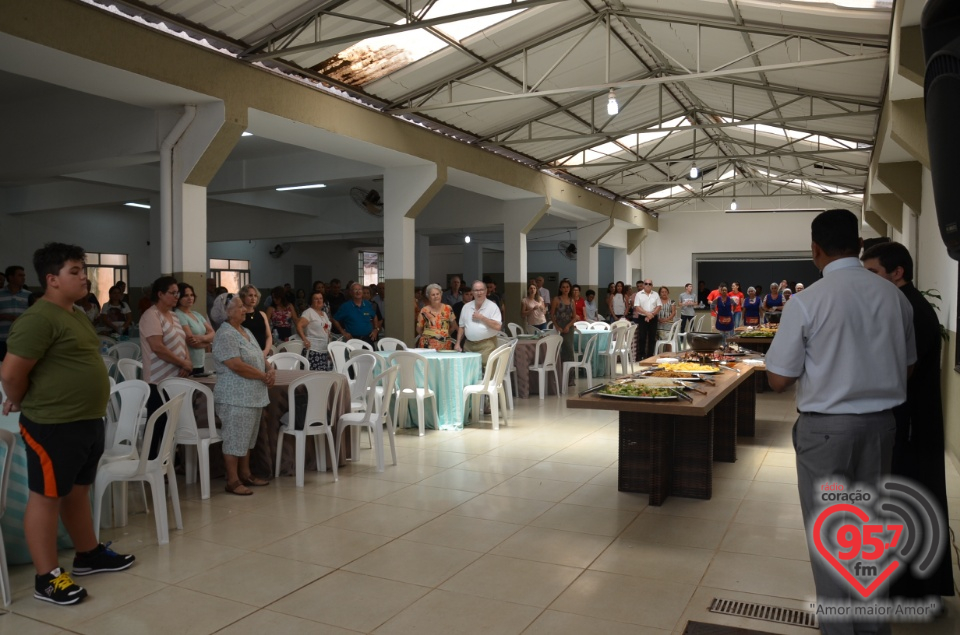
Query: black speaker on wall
(940, 26)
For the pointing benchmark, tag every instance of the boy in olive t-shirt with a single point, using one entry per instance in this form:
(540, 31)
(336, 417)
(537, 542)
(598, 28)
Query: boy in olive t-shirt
(54, 377)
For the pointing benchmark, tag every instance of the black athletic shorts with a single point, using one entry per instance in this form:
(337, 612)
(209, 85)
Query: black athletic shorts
(61, 455)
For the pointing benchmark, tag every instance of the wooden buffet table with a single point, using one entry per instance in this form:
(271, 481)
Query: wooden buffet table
(758, 345)
(668, 447)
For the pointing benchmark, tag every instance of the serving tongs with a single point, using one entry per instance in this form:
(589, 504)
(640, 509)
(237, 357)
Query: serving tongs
(681, 394)
(690, 388)
(706, 379)
(594, 389)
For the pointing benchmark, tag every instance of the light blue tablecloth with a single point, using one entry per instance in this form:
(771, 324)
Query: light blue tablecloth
(12, 521)
(449, 373)
(603, 342)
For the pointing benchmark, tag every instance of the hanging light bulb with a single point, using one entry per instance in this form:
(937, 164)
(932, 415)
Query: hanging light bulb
(466, 239)
(613, 107)
(733, 205)
(694, 172)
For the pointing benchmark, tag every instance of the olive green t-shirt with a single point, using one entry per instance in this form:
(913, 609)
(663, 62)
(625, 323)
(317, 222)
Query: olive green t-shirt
(69, 381)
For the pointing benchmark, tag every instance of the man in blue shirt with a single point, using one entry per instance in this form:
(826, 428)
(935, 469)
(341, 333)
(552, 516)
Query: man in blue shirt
(14, 300)
(357, 317)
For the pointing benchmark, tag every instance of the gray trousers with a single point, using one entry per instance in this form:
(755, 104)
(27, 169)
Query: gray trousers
(850, 449)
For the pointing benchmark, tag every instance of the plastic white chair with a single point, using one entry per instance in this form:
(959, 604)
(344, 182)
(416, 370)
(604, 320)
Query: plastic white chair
(390, 344)
(510, 375)
(289, 361)
(106, 339)
(323, 396)
(126, 411)
(129, 369)
(376, 414)
(581, 324)
(142, 468)
(609, 352)
(358, 344)
(8, 441)
(628, 341)
(291, 346)
(197, 441)
(338, 355)
(514, 329)
(551, 345)
(358, 371)
(491, 386)
(672, 339)
(585, 362)
(409, 389)
(124, 350)
(620, 350)
(599, 326)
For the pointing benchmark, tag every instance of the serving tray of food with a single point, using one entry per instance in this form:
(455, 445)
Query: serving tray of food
(631, 390)
(690, 368)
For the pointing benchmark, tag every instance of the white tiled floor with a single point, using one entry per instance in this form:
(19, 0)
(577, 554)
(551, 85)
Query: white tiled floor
(516, 531)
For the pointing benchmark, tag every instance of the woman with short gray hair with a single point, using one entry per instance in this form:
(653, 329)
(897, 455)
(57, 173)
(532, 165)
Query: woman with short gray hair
(435, 324)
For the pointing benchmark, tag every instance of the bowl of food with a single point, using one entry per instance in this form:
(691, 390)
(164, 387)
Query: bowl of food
(704, 342)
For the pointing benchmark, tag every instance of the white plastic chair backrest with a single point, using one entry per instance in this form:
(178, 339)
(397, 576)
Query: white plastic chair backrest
(581, 324)
(599, 326)
(124, 350)
(358, 370)
(159, 462)
(187, 430)
(109, 362)
(338, 354)
(376, 403)
(674, 330)
(513, 352)
(514, 328)
(289, 361)
(390, 344)
(589, 349)
(129, 369)
(291, 346)
(496, 367)
(356, 344)
(408, 362)
(616, 335)
(631, 332)
(551, 344)
(323, 395)
(9, 440)
(133, 395)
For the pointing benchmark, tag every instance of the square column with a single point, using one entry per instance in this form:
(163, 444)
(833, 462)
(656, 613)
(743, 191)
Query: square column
(520, 217)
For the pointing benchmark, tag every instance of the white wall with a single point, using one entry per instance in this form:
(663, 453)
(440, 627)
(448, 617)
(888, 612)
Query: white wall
(328, 259)
(667, 253)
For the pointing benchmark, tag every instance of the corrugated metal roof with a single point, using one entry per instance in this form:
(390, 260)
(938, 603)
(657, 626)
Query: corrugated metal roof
(564, 47)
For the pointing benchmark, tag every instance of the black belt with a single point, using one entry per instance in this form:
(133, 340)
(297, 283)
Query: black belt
(843, 414)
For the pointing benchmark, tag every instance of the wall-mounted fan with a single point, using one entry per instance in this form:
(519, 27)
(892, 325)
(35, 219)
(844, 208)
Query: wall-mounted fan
(367, 200)
(569, 250)
(279, 249)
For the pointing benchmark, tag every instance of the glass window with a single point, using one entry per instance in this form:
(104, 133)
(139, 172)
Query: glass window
(370, 267)
(104, 271)
(230, 274)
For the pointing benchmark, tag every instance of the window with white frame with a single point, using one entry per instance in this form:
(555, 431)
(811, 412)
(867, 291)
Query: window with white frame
(230, 274)
(104, 271)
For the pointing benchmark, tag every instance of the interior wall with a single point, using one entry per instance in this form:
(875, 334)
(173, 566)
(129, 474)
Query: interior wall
(667, 253)
(936, 270)
(329, 259)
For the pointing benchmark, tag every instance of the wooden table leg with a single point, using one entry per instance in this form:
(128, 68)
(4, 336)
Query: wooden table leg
(646, 451)
(725, 429)
(693, 449)
(747, 408)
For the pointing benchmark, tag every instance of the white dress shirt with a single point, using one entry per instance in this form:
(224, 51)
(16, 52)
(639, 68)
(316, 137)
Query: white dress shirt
(647, 302)
(474, 330)
(848, 339)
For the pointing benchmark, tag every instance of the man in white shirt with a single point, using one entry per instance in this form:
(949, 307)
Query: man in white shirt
(480, 321)
(542, 290)
(646, 306)
(848, 344)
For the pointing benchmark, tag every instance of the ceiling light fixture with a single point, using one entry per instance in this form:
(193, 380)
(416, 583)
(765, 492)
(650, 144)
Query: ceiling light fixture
(140, 205)
(613, 107)
(466, 239)
(301, 187)
(246, 134)
(733, 205)
(694, 172)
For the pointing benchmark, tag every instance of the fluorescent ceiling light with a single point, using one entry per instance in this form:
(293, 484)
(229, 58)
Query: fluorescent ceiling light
(694, 172)
(613, 107)
(301, 187)
(246, 134)
(141, 205)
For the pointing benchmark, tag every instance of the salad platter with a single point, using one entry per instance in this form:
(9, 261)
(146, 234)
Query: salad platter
(631, 390)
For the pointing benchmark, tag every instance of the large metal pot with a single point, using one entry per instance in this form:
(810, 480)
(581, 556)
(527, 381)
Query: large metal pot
(704, 342)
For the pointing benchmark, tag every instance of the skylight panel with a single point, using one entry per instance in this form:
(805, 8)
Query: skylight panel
(632, 140)
(376, 57)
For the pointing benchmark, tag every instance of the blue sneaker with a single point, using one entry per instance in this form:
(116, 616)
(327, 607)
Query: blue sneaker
(99, 560)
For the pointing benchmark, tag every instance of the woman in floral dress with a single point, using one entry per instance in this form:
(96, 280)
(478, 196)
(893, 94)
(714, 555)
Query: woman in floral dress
(436, 328)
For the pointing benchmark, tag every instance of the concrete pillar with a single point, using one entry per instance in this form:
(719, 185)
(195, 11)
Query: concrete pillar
(423, 262)
(519, 218)
(472, 262)
(889, 208)
(588, 255)
(621, 265)
(905, 180)
(406, 190)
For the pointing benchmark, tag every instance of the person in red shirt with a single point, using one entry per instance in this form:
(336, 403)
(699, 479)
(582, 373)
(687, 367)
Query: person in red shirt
(737, 296)
(578, 304)
(713, 296)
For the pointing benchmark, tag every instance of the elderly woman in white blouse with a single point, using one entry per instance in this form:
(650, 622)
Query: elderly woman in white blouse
(313, 327)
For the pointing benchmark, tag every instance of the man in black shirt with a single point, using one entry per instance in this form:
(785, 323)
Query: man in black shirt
(467, 295)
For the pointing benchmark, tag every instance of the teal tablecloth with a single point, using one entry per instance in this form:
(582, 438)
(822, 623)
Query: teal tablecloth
(449, 373)
(603, 342)
(12, 521)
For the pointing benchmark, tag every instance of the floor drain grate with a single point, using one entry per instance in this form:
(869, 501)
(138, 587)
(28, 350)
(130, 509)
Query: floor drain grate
(777, 614)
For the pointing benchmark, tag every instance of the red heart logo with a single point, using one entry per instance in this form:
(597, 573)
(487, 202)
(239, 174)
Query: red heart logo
(865, 591)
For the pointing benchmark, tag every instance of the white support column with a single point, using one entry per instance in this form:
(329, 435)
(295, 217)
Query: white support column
(588, 254)
(406, 190)
(621, 265)
(519, 217)
(423, 260)
(472, 262)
